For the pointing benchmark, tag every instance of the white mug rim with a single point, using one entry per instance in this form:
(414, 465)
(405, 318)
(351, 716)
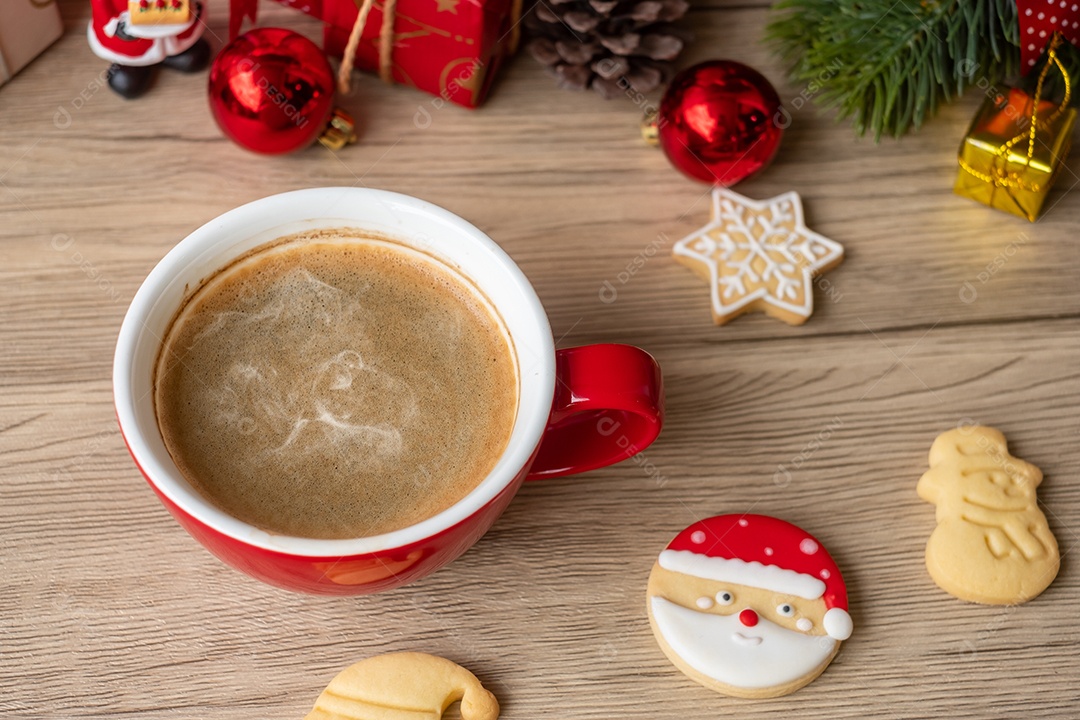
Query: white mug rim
(264, 215)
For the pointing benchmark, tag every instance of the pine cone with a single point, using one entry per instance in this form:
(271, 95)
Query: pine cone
(609, 45)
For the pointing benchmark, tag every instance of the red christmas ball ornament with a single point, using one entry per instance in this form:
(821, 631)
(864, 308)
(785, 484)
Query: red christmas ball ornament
(720, 122)
(271, 91)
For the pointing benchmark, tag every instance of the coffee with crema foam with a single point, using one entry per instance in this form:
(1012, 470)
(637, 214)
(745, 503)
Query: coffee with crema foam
(335, 385)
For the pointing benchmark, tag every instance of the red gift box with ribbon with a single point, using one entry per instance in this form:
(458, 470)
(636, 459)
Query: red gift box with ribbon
(449, 48)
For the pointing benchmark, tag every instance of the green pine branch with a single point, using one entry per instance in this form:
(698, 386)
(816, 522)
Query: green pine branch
(889, 65)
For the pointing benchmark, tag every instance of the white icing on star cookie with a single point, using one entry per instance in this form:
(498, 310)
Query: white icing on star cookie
(758, 255)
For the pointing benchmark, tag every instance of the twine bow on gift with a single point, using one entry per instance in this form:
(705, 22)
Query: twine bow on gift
(1000, 175)
(386, 40)
(386, 43)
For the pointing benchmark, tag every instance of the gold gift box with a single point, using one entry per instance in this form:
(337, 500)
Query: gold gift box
(995, 166)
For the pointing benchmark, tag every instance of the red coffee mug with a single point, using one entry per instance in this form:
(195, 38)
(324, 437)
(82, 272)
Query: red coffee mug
(578, 409)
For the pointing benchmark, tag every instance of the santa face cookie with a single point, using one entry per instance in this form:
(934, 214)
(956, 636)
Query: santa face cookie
(748, 605)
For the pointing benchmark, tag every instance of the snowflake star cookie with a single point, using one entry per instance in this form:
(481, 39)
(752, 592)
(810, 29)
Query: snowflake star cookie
(748, 605)
(758, 256)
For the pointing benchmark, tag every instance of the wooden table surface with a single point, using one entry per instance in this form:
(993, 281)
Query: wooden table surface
(943, 311)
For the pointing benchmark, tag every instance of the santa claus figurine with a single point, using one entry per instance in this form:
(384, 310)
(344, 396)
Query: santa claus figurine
(137, 36)
(748, 605)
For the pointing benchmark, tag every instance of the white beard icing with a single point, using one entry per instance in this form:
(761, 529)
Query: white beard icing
(722, 648)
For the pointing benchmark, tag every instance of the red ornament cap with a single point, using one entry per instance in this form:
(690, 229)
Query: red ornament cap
(763, 552)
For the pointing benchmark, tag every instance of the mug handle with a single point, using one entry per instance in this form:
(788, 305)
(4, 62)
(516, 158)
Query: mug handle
(609, 406)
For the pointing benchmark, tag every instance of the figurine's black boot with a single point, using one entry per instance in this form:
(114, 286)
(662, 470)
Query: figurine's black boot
(130, 81)
(194, 59)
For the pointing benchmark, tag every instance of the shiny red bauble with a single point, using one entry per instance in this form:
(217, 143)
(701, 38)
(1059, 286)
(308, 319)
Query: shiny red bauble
(720, 122)
(271, 90)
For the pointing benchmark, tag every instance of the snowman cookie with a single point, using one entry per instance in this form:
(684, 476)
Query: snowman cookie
(748, 605)
(992, 543)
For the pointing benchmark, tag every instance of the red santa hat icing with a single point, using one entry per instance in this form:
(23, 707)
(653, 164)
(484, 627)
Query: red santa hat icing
(762, 552)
